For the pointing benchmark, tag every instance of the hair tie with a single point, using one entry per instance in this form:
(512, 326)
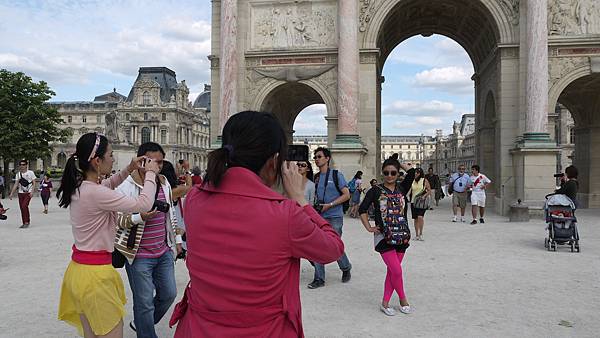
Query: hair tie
(76, 159)
(229, 149)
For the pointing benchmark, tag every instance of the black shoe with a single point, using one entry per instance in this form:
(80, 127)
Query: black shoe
(473, 222)
(481, 221)
(317, 283)
(24, 226)
(132, 326)
(346, 275)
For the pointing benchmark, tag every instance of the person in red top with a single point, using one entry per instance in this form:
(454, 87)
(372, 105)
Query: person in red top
(245, 240)
(197, 176)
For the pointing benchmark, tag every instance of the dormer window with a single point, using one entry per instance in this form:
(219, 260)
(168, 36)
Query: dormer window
(146, 99)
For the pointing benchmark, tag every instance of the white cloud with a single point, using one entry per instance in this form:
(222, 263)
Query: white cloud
(429, 120)
(311, 121)
(452, 79)
(436, 51)
(412, 108)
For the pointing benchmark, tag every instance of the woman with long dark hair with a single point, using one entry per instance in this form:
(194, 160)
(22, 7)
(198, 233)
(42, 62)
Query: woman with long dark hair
(391, 232)
(92, 294)
(420, 190)
(305, 169)
(245, 240)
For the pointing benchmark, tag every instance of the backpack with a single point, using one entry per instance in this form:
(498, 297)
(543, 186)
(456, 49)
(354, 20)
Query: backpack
(352, 185)
(345, 205)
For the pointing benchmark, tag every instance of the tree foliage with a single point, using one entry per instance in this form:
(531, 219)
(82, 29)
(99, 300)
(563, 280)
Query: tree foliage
(28, 126)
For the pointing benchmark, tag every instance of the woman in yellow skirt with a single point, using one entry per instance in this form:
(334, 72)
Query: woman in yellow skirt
(92, 295)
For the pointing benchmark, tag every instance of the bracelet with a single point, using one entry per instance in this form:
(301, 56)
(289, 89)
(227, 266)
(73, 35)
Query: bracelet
(331, 204)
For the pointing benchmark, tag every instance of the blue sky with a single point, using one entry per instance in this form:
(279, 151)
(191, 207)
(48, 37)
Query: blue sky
(84, 48)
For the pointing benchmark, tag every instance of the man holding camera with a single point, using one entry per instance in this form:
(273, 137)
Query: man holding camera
(331, 193)
(25, 183)
(150, 259)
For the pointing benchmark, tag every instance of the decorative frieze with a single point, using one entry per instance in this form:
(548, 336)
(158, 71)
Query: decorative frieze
(510, 9)
(560, 67)
(367, 10)
(573, 17)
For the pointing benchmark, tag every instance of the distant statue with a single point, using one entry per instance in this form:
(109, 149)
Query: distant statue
(112, 127)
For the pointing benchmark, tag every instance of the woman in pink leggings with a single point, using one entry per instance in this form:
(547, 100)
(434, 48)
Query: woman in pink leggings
(391, 231)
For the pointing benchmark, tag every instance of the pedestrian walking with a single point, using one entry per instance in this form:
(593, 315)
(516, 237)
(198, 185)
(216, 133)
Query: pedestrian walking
(480, 184)
(25, 185)
(355, 187)
(391, 231)
(150, 258)
(246, 240)
(331, 193)
(46, 191)
(457, 187)
(2, 192)
(419, 193)
(436, 186)
(92, 295)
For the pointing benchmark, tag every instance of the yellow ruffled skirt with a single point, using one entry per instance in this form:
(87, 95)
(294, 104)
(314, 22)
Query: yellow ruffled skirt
(95, 291)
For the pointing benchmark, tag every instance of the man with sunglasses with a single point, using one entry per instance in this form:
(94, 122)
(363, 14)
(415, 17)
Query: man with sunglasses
(331, 193)
(25, 183)
(459, 183)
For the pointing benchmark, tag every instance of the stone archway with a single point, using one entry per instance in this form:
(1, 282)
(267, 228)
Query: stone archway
(287, 100)
(486, 156)
(581, 98)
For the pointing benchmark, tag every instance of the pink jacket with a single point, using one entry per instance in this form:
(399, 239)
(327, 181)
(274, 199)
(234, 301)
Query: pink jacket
(244, 243)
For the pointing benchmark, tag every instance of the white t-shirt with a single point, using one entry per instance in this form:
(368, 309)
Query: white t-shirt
(483, 180)
(29, 176)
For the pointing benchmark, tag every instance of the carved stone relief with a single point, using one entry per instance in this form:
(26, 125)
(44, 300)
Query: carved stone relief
(560, 67)
(367, 9)
(573, 17)
(294, 25)
(511, 9)
(368, 58)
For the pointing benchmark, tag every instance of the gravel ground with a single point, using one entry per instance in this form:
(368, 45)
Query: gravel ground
(489, 280)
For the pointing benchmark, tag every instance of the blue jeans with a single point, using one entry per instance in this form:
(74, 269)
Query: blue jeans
(344, 263)
(147, 275)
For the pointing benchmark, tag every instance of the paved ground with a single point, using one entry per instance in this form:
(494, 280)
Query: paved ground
(487, 280)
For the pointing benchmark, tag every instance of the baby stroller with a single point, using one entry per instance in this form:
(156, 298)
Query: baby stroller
(562, 223)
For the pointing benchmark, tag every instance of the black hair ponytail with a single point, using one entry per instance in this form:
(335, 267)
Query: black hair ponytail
(216, 166)
(70, 181)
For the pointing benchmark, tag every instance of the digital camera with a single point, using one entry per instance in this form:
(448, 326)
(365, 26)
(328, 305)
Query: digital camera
(318, 206)
(161, 206)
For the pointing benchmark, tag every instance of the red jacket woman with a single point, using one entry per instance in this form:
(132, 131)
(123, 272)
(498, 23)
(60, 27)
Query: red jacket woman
(245, 242)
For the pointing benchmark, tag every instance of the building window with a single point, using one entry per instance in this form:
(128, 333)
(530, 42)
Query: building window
(127, 116)
(145, 134)
(145, 116)
(572, 135)
(61, 160)
(99, 119)
(128, 134)
(146, 99)
(70, 119)
(163, 137)
(84, 119)
(164, 116)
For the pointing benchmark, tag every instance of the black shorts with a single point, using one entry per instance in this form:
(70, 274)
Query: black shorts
(415, 212)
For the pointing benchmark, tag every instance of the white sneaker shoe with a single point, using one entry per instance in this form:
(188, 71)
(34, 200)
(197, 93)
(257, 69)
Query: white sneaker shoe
(462, 219)
(387, 310)
(405, 309)
(454, 219)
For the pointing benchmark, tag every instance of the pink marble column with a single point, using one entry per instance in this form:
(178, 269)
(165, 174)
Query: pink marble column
(537, 67)
(228, 62)
(348, 63)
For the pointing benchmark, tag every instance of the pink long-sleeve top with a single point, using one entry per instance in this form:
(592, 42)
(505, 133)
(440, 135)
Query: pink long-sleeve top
(94, 210)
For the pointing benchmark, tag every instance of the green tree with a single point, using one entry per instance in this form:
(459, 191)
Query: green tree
(28, 126)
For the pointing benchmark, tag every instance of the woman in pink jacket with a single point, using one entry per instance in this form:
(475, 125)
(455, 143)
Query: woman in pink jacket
(245, 240)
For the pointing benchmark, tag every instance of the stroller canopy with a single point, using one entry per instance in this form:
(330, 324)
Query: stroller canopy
(559, 200)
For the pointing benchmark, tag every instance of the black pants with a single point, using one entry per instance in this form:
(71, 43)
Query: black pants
(45, 198)
(2, 191)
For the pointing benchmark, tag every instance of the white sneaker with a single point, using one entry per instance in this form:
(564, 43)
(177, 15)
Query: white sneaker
(462, 219)
(405, 309)
(454, 219)
(387, 310)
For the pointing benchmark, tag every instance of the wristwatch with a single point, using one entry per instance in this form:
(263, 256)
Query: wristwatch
(331, 204)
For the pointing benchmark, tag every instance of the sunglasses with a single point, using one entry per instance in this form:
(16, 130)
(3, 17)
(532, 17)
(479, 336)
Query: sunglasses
(390, 173)
(317, 157)
(302, 165)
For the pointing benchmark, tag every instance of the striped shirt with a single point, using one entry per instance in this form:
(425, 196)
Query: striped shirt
(154, 238)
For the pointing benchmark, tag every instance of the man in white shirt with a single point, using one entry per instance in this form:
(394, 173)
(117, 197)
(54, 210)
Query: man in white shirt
(480, 183)
(25, 182)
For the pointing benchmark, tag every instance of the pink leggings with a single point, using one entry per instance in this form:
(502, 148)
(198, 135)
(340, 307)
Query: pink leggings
(393, 278)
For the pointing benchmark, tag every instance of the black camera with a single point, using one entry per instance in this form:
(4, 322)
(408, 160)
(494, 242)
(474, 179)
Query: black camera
(297, 153)
(161, 206)
(318, 206)
(559, 175)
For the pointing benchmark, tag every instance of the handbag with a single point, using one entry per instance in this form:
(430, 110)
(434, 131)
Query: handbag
(422, 202)
(22, 181)
(118, 259)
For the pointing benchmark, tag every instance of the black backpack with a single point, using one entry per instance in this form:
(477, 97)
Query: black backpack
(345, 205)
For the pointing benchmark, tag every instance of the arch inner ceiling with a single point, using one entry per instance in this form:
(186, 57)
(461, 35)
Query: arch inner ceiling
(288, 100)
(582, 99)
(468, 22)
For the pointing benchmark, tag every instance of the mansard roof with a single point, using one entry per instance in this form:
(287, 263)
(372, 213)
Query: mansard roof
(110, 97)
(165, 78)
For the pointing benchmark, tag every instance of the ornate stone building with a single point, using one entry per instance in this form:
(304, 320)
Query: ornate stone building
(157, 109)
(282, 56)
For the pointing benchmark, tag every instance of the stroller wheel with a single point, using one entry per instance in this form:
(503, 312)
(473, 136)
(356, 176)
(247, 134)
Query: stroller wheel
(577, 247)
(572, 247)
(553, 246)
